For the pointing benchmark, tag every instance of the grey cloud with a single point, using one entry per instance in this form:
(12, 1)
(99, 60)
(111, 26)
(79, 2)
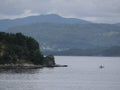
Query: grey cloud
(93, 10)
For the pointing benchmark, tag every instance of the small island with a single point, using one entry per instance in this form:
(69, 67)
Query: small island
(20, 51)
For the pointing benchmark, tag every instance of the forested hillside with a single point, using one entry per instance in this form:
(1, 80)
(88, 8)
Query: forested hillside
(57, 34)
(57, 37)
(17, 48)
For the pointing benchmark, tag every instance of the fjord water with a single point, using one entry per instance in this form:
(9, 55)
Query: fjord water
(82, 73)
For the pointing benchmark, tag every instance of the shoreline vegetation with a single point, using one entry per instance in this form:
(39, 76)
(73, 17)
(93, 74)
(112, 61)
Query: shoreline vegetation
(28, 66)
(20, 51)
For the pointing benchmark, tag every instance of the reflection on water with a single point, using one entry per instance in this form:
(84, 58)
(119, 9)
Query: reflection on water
(19, 71)
(82, 73)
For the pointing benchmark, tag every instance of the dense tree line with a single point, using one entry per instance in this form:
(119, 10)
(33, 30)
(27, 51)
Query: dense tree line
(17, 48)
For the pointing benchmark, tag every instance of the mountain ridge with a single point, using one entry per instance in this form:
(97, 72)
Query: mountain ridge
(57, 34)
(49, 18)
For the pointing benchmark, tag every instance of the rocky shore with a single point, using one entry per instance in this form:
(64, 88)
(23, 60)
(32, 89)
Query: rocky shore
(28, 66)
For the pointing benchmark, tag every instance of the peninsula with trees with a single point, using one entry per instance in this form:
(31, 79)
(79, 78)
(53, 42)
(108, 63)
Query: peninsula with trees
(20, 51)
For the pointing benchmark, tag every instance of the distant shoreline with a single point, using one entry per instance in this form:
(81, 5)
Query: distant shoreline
(82, 56)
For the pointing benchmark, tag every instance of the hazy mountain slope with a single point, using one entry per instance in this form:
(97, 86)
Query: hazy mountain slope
(103, 51)
(58, 37)
(117, 24)
(50, 18)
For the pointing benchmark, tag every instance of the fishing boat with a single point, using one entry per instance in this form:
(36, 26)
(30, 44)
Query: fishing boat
(101, 66)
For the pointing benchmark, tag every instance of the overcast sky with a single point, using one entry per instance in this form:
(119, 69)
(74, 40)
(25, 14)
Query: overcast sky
(101, 11)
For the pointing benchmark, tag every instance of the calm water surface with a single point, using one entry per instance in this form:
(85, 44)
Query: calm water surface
(82, 73)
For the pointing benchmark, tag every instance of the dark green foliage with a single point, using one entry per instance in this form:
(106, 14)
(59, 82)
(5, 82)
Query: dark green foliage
(5, 59)
(19, 48)
(49, 60)
(38, 57)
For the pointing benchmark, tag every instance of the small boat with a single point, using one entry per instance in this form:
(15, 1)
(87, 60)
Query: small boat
(101, 66)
